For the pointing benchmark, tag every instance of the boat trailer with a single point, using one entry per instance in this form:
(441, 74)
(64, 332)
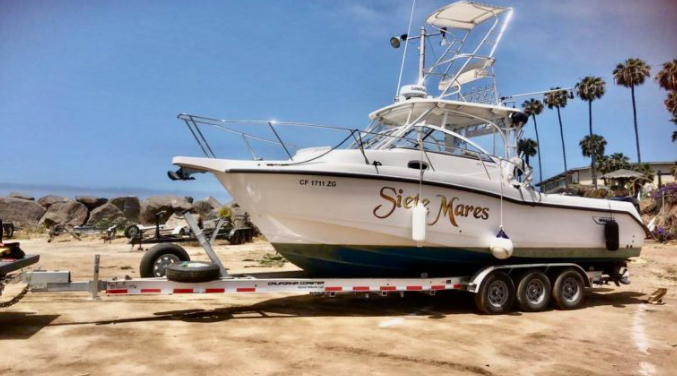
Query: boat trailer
(222, 229)
(294, 282)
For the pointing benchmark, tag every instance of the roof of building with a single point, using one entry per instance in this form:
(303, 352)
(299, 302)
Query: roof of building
(561, 174)
(622, 173)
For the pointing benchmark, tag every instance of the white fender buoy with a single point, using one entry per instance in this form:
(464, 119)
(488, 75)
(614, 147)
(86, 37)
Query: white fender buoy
(501, 247)
(418, 223)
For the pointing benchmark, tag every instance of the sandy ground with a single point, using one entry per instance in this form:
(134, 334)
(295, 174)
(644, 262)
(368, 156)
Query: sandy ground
(281, 334)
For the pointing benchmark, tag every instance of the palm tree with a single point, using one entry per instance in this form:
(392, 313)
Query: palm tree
(589, 89)
(558, 98)
(613, 162)
(671, 103)
(667, 77)
(632, 73)
(645, 170)
(593, 146)
(619, 161)
(534, 107)
(603, 164)
(528, 147)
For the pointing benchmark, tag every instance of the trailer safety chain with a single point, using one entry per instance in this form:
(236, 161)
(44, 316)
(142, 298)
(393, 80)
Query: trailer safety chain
(15, 299)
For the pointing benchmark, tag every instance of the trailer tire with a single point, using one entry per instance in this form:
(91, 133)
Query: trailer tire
(496, 294)
(193, 271)
(568, 291)
(9, 231)
(155, 262)
(533, 291)
(132, 231)
(236, 239)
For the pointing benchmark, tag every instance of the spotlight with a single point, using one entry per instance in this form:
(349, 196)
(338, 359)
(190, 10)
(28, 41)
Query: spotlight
(396, 42)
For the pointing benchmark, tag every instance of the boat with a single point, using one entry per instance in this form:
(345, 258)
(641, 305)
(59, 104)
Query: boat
(435, 185)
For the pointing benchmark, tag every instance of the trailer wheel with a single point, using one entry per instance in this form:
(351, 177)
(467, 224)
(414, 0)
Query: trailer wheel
(132, 231)
(154, 263)
(568, 292)
(193, 271)
(533, 291)
(236, 239)
(9, 231)
(250, 236)
(496, 295)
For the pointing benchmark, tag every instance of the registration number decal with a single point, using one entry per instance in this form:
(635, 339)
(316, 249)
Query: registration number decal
(317, 183)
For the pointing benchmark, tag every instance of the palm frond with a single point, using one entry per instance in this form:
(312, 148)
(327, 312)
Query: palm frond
(667, 77)
(532, 107)
(631, 72)
(671, 103)
(556, 99)
(590, 88)
(527, 146)
(593, 145)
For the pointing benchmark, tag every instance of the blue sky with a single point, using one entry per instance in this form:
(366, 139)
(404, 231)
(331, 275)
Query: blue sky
(90, 90)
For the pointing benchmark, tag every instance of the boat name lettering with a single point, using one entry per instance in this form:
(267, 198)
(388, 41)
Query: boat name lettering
(449, 207)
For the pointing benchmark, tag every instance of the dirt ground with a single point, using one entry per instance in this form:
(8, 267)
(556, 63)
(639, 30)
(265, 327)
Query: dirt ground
(616, 333)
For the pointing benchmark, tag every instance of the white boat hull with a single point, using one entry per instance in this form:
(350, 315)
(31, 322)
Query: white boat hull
(360, 223)
(329, 218)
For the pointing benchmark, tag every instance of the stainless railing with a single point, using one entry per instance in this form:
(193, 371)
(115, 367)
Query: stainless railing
(361, 139)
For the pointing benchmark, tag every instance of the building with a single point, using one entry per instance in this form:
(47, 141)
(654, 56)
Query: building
(583, 176)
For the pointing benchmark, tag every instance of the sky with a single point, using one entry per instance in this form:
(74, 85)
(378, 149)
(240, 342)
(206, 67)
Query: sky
(90, 90)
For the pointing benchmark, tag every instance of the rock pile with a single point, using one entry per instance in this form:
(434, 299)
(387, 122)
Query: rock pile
(24, 210)
(70, 213)
(48, 201)
(91, 202)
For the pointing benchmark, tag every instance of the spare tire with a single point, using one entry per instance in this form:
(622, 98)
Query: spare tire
(154, 263)
(193, 271)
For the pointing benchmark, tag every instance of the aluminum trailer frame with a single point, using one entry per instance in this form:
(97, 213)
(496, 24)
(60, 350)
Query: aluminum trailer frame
(60, 281)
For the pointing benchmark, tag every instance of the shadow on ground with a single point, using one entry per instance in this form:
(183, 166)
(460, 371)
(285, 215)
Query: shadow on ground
(22, 325)
(434, 307)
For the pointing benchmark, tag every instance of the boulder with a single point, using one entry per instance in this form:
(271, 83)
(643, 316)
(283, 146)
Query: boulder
(168, 204)
(21, 196)
(205, 207)
(130, 206)
(50, 200)
(20, 212)
(214, 202)
(71, 213)
(91, 202)
(107, 212)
